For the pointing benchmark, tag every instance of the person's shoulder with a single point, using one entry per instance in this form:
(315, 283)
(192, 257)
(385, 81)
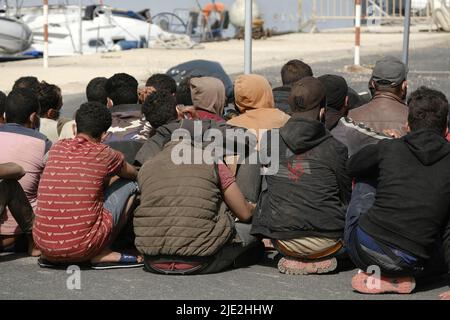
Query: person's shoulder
(348, 123)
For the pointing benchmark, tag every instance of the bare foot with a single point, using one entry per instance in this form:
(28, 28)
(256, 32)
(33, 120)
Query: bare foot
(268, 245)
(33, 251)
(445, 295)
(108, 255)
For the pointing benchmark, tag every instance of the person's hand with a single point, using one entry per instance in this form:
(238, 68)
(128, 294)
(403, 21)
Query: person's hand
(187, 112)
(445, 296)
(392, 133)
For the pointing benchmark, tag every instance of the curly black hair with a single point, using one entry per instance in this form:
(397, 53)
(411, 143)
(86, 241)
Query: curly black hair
(160, 108)
(27, 83)
(20, 105)
(93, 119)
(49, 96)
(122, 89)
(96, 90)
(428, 109)
(162, 82)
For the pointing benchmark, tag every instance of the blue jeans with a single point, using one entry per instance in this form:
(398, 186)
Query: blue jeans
(366, 251)
(116, 197)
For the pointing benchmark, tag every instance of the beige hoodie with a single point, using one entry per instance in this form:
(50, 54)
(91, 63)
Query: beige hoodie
(208, 94)
(254, 99)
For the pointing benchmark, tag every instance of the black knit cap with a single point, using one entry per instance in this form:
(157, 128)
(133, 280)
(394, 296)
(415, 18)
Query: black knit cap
(307, 94)
(336, 90)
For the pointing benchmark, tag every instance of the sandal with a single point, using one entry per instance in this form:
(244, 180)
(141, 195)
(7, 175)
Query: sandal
(125, 262)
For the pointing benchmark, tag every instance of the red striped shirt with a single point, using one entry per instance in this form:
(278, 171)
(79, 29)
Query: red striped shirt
(71, 223)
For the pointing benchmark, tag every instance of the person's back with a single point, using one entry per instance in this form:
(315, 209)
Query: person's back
(413, 201)
(129, 130)
(22, 144)
(183, 224)
(387, 109)
(410, 213)
(188, 193)
(74, 193)
(303, 208)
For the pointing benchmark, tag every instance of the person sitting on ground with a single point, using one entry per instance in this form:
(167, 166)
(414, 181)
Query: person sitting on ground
(21, 143)
(14, 199)
(51, 102)
(129, 129)
(95, 92)
(387, 109)
(182, 225)
(303, 207)
(254, 100)
(402, 223)
(353, 135)
(2, 107)
(291, 72)
(31, 83)
(208, 98)
(86, 197)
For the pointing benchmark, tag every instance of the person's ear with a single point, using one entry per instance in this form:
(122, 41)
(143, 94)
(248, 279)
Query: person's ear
(109, 103)
(408, 128)
(322, 115)
(52, 114)
(74, 129)
(405, 85)
(344, 109)
(34, 121)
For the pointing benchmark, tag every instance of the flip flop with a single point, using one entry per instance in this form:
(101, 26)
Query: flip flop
(125, 262)
(44, 263)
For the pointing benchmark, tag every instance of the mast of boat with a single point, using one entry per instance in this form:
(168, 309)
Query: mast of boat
(80, 30)
(45, 34)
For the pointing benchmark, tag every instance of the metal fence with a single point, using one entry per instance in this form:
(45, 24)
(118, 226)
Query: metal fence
(384, 11)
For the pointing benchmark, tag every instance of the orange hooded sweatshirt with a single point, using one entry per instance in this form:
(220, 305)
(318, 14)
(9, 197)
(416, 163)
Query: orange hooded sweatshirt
(254, 99)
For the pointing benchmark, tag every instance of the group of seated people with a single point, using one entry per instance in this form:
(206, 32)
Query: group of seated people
(356, 181)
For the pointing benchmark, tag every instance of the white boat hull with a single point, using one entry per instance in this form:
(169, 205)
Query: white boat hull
(15, 36)
(100, 34)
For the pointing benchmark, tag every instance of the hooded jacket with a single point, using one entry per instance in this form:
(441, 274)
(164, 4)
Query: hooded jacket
(308, 196)
(208, 95)
(411, 210)
(254, 99)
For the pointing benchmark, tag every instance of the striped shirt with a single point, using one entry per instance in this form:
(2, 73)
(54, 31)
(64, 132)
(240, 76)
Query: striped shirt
(71, 223)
